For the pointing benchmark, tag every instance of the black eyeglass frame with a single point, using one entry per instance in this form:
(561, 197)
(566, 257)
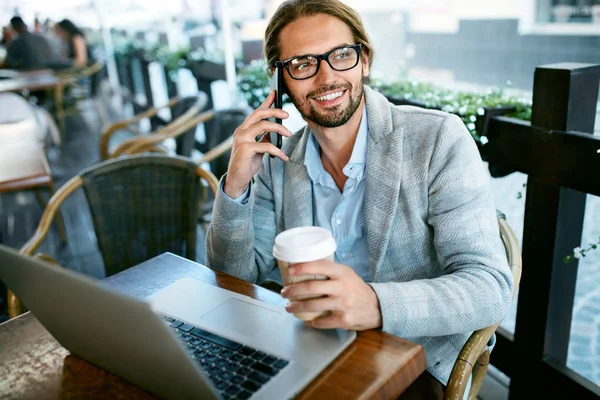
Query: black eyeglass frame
(325, 56)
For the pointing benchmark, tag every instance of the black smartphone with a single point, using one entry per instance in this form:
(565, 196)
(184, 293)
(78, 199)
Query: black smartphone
(277, 85)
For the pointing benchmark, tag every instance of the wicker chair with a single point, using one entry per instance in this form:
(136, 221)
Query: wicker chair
(216, 150)
(474, 358)
(141, 206)
(181, 127)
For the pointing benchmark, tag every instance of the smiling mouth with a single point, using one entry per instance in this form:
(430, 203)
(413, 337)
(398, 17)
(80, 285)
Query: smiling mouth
(330, 96)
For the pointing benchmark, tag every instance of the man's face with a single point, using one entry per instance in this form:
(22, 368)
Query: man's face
(319, 34)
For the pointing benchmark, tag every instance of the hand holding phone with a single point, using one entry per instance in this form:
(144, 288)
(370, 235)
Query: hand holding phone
(250, 144)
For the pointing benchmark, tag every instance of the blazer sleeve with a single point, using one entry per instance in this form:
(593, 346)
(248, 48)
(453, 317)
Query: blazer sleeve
(241, 235)
(475, 289)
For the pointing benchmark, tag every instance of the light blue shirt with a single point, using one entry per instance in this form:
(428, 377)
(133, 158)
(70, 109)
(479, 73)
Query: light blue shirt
(342, 212)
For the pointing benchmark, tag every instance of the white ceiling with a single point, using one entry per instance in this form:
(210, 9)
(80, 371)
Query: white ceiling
(118, 13)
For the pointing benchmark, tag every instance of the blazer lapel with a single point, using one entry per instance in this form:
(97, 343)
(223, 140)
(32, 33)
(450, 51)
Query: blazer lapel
(383, 175)
(297, 188)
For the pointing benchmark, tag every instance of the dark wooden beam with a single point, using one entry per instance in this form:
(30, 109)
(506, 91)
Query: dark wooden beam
(561, 382)
(558, 380)
(565, 98)
(568, 159)
(503, 355)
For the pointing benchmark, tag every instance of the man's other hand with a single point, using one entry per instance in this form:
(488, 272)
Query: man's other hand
(352, 303)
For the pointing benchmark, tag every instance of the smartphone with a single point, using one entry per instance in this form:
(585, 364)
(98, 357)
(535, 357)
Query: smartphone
(277, 85)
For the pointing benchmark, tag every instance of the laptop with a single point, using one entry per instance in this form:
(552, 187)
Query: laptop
(190, 340)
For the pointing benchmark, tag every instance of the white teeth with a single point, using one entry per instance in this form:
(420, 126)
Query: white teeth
(330, 96)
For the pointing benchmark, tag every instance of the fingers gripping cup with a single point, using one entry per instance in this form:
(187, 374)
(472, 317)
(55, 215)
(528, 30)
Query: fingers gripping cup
(303, 244)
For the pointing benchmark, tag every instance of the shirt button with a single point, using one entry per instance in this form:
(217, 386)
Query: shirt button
(338, 221)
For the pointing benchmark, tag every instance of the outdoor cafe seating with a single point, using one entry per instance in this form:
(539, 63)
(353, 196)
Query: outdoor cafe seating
(111, 170)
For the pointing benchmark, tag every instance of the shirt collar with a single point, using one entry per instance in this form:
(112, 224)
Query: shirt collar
(358, 159)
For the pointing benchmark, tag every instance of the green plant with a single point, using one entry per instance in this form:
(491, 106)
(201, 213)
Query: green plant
(578, 252)
(254, 82)
(467, 105)
(520, 193)
(172, 60)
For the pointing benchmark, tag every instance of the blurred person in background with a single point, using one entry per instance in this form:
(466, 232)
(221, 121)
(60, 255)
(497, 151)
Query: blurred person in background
(8, 34)
(77, 49)
(28, 50)
(38, 26)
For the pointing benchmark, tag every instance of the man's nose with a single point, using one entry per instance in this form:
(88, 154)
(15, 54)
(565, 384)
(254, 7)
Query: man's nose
(325, 72)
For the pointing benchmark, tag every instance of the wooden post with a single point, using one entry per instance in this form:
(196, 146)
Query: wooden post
(564, 99)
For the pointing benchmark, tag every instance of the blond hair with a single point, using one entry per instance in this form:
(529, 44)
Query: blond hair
(292, 10)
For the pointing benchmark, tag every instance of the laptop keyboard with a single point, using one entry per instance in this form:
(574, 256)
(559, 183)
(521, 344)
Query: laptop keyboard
(236, 371)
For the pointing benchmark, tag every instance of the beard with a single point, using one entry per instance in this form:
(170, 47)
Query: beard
(334, 116)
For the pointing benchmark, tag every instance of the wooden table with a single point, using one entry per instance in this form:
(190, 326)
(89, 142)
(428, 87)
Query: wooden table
(15, 81)
(34, 366)
(24, 166)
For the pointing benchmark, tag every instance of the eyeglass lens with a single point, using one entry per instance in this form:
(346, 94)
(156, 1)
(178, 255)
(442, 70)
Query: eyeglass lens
(340, 59)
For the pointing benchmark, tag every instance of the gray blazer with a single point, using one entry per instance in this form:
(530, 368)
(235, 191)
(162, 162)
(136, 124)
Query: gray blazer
(436, 258)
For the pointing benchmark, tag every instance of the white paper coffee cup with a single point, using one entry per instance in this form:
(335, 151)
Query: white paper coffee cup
(303, 244)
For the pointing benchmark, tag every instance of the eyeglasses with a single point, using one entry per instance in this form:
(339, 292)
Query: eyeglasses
(340, 59)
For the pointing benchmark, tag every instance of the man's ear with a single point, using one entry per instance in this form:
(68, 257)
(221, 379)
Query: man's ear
(365, 64)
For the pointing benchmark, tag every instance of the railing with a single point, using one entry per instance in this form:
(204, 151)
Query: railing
(562, 160)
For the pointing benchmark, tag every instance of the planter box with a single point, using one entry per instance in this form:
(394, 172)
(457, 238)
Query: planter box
(207, 70)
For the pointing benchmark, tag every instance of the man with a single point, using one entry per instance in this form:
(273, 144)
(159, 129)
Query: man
(403, 190)
(29, 50)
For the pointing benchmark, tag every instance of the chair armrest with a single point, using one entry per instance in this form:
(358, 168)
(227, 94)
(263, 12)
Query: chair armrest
(474, 357)
(142, 144)
(46, 258)
(217, 151)
(474, 349)
(49, 213)
(105, 139)
(157, 149)
(14, 305)
(513, 253)
(210, 178)
(108, 131)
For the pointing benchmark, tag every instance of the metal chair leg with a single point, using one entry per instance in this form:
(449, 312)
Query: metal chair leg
(58, 105)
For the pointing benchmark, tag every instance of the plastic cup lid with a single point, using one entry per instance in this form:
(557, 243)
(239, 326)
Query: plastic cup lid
(303, 244)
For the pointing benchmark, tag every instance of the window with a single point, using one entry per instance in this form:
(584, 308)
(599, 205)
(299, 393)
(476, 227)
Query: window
(568, 11)
(567, 17)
